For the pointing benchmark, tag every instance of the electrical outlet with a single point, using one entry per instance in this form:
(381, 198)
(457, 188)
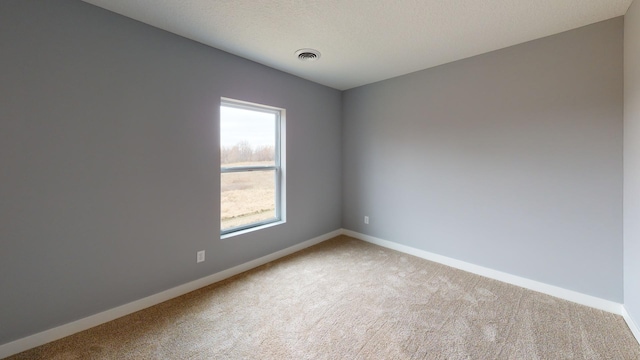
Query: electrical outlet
(200, 256)
(366, 220)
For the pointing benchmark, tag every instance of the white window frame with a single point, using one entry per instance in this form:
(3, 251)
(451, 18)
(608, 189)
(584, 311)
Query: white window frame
(278, 167)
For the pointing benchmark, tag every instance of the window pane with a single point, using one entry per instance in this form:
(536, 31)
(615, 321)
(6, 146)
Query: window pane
(247, 197)
(247, 137)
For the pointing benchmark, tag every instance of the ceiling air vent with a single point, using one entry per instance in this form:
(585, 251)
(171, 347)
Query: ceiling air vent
(308, 54)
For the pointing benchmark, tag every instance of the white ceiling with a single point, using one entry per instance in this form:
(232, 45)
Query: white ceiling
(363, 41)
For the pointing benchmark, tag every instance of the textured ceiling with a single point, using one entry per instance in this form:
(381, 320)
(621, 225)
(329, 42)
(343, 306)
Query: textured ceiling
(363, 41)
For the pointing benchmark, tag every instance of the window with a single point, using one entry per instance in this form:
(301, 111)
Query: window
(251, 171)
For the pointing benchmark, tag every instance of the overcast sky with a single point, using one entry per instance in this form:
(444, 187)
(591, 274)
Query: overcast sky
(237, 125)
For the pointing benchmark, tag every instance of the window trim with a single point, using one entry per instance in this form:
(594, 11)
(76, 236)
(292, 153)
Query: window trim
(278, 167)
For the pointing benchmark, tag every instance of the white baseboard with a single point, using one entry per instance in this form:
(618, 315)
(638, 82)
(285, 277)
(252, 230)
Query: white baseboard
(573, 296)
(631, 324)
(59, 332)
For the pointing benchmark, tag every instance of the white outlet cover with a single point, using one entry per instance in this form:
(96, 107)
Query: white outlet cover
(200, 256)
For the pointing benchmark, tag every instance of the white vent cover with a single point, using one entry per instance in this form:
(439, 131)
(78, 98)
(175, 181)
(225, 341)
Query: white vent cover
(308, 54)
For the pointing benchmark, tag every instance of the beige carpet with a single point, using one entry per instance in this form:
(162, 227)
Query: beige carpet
(346, 299)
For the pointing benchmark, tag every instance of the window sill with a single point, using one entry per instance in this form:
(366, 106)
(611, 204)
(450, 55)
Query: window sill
(249, 230)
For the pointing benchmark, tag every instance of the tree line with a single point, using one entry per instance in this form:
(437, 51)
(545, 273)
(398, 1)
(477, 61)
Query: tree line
(243, 152)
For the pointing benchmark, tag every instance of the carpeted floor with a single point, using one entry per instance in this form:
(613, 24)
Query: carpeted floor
(347, 299)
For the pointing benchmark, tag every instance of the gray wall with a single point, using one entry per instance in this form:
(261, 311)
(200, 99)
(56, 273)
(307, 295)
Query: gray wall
(631, 161)
(510, 160)
(109, 159)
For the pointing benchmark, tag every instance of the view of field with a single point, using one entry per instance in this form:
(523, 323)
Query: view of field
(249, 196)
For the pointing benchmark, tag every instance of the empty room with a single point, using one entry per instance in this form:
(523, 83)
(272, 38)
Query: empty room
(319, 179)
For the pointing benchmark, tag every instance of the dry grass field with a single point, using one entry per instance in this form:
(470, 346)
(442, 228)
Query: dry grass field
(247, 197)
